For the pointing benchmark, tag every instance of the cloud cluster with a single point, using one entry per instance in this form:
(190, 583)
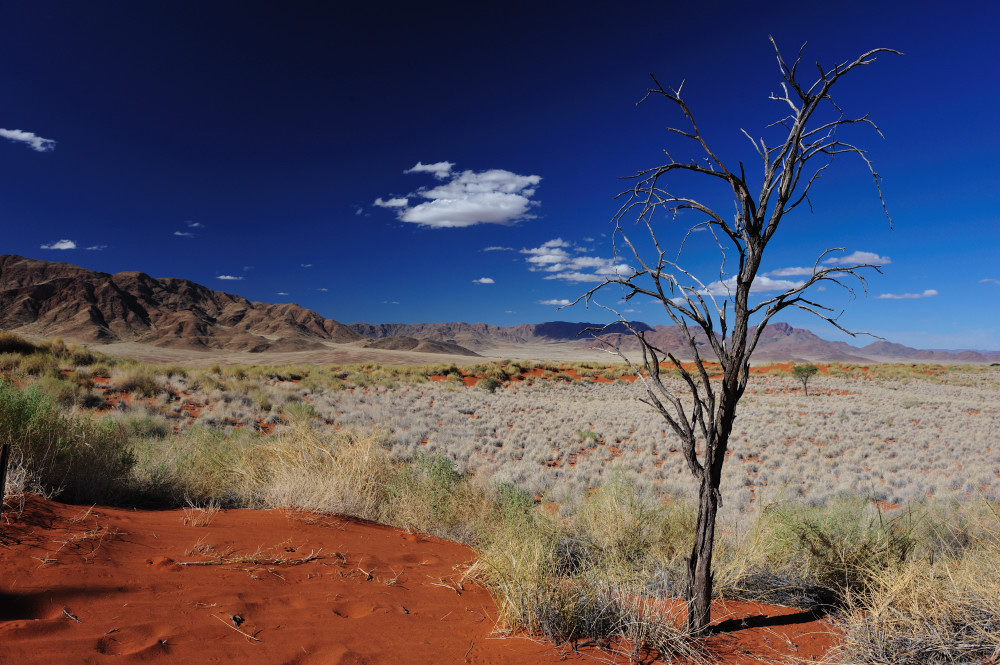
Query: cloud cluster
(571, 263)
(467, 198)
(929, 293)
(232, 278)
(60, 244)
(858, 258)
(761, 284)
(35, 142)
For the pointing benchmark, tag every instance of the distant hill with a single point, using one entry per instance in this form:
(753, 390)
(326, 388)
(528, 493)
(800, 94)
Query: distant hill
(779, 341)
(58, 299)
(49, 299)
(482, 335)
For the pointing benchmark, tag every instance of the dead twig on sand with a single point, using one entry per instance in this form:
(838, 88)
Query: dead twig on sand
(241, 632)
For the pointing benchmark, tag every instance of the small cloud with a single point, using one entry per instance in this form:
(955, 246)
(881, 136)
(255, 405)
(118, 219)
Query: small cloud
(35, 142)
(358, 210)
(281, 293)
(392, 203)
(96, 248)
(858, 258)
(497, 248)
(556, 302)
(790, 272)
(323, 289)
(484, 280)
(306, 265)
(195, 225)
(989, 280)
(232, 278)
(390, 302)
(60, 244)
(929, 293)
(468, 198)
(183, 234)
(509, 311)
(440, 170)
(245, 268)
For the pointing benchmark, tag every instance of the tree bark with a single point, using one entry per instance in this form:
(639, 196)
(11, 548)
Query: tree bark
(699, 596)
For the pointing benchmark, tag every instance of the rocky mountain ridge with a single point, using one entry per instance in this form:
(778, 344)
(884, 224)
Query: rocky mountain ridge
(48, 299)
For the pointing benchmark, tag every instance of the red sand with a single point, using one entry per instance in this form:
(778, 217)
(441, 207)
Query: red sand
(108, 585)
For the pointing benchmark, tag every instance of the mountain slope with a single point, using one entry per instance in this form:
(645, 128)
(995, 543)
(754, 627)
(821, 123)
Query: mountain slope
(59, 299)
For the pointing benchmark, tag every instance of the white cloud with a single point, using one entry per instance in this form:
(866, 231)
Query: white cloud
(195, 225)
(183, 234)
(498, 248)
(468, 198)
(60, 244)
(484, 280)
(35, 142)
(96, 248)
(305, 265)
(929, 293)
(440, 170)
(323, 289)
(571, 264)
(560, 302)
(790, 272)
(233, 278)
(281, 293)
(392, 203)
(856, 258)
(390, 302)
(989, 280)
(762, 284)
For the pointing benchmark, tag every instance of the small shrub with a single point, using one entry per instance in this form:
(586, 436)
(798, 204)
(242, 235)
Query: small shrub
(138, 381)
(489, 384)
(39, 364)
(13, 343)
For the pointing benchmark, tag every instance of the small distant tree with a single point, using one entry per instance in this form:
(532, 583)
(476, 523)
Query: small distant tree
(719, 316)
(803, 373)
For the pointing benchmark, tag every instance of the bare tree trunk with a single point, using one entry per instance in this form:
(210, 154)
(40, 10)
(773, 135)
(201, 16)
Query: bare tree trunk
(699, 592)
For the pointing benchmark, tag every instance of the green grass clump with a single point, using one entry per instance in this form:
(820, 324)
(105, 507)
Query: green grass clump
(138, 381)
(75, 457)
(13, 343)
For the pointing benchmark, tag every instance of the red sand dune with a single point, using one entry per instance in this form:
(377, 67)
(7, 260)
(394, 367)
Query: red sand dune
(114, 585)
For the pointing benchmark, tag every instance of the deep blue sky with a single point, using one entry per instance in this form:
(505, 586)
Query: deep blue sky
(244, 145)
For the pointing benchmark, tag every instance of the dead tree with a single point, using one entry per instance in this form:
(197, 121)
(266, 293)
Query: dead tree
(701, 414)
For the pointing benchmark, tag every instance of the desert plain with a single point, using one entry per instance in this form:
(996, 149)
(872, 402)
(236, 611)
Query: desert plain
(374, 507)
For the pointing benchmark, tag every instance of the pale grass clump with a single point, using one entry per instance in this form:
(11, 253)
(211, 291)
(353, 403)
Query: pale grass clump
(196, 466)
(940, 609)
(593, 573)
(346, 472)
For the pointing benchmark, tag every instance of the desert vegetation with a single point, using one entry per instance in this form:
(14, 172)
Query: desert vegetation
(872, 499)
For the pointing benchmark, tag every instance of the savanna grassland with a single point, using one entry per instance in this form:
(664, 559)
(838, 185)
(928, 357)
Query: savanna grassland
(871, 499)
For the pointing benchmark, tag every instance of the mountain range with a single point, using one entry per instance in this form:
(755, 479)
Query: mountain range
(48, 299)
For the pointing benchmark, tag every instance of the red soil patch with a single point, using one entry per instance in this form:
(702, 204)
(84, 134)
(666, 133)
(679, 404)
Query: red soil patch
(113, 585)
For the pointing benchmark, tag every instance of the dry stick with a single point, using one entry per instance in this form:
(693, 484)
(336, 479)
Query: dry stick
(4, 457)
(469, 651)
(244, 634)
